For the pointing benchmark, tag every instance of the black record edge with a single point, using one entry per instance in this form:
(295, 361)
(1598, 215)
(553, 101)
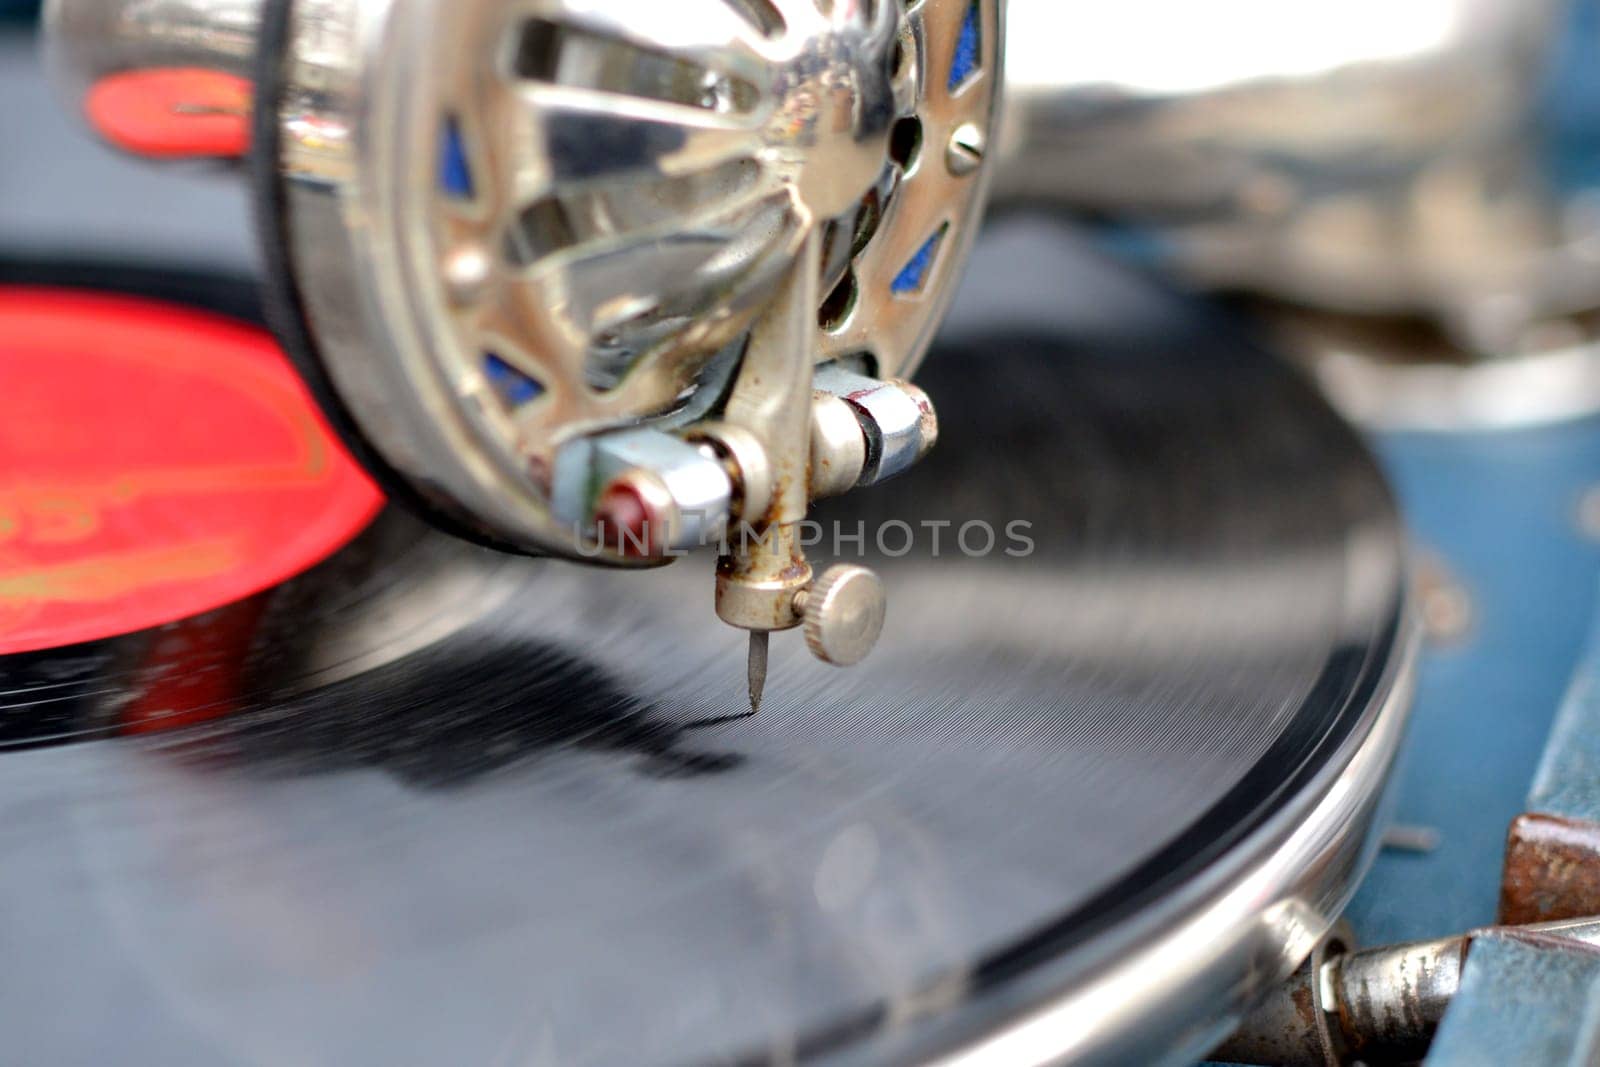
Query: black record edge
(231, 295)
(281, 297)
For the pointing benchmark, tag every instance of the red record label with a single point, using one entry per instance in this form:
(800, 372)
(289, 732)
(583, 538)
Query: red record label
(155, 463)
(173, 113)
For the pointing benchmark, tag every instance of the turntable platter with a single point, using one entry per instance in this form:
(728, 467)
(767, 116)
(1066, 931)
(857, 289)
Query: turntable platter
(428, 804)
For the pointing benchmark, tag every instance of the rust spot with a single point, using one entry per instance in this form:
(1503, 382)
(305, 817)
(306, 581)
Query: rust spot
(1305, 1005)
(1552, 870)
(780, 492)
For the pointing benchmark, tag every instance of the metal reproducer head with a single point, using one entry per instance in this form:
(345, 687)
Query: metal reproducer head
(602, 279)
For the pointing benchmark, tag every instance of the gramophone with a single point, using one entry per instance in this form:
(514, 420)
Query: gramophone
(611, 281)
(594, 280)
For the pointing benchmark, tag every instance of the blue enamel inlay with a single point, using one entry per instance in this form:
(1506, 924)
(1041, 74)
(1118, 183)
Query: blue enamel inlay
(455, 173)
(969, 48)
(513, 386)
(915, 272)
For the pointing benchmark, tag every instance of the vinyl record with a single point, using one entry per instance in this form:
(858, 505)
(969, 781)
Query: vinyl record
(423, 803)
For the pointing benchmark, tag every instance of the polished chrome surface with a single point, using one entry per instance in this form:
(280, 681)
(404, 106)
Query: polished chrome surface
(838, 446)
(625, 190)
(1360, 157)
(89, 39)
(898, 420)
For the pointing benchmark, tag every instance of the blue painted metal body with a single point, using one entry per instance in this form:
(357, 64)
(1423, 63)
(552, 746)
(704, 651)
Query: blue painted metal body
(1522, 1003)
(1568, 782)
(1525, 1005)
(1501, 511)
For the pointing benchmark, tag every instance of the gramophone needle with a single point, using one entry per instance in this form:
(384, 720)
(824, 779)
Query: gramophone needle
(757, 667)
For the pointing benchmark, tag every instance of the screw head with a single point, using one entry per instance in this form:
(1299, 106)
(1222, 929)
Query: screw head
(844, 612)
(468, 271)
(964, 154)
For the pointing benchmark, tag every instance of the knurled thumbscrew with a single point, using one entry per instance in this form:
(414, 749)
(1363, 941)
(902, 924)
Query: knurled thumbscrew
(843, 612)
